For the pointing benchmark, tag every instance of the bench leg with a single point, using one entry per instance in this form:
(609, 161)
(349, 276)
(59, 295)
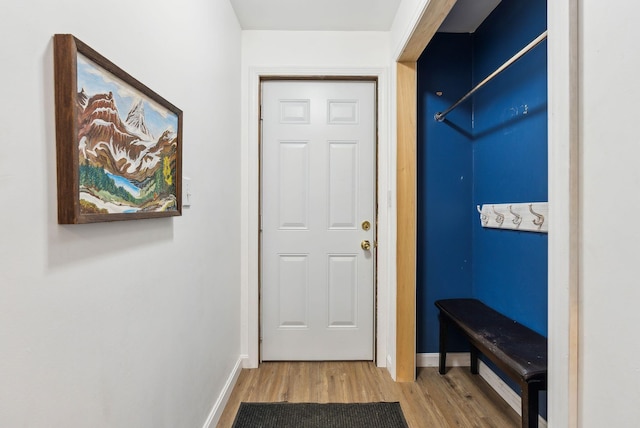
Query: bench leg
(442, 367)
(473, 354)
(529, 399)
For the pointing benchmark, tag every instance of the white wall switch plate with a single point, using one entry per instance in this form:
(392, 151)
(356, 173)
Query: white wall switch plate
(186, 192)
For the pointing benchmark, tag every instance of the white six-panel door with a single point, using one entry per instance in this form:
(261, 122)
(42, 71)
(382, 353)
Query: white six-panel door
(317, 188)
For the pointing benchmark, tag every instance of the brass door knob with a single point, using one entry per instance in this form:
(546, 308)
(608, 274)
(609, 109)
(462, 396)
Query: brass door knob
(366, 245)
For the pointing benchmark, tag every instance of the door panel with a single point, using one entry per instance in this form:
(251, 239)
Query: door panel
(343, 291)
(343, 191)
(317, 187)
(293, 185)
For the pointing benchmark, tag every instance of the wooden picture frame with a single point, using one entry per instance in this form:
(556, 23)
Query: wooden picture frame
(118, 143)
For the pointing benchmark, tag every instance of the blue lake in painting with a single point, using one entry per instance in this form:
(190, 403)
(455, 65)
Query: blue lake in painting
(125, 184)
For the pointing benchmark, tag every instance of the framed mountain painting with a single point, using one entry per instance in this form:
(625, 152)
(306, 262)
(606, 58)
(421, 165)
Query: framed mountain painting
(118, 143)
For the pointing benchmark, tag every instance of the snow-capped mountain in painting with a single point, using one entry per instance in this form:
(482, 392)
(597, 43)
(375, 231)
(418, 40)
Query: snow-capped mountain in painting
(117, 146)
(135, 121)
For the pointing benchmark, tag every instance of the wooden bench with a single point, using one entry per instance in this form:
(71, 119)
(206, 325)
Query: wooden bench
(518, 351)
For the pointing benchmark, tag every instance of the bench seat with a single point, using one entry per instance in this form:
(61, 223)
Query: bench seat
(517, 350)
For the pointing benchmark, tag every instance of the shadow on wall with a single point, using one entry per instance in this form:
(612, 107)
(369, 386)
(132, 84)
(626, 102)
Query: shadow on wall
(69, 244)
(511, 120)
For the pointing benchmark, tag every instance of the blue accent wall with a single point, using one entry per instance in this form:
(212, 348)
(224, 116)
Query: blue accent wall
(491, 149)
(445, 177)
(510, 160)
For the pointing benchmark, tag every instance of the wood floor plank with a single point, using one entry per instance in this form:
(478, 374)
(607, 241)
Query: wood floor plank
(332, 382)
(458, 399)
(303, 385)
(445, 398)
(271, 383)
(370, 383)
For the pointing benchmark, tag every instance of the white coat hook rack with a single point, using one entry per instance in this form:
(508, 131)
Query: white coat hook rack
(524, 216)
(483, 217)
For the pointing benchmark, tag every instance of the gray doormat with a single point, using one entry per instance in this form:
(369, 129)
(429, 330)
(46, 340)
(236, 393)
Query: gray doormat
(315, 415)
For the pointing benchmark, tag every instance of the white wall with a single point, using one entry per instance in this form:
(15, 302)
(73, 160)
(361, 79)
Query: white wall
(304, 53)
(610, 194)
(126, 324)
(404, 23)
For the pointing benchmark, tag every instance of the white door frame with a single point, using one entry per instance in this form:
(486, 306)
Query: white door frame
(349, 269)
(250, 318)
(564, 213)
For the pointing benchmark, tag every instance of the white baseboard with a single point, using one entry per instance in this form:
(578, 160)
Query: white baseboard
(223, 398)
(247, 363)
(463, 360)
(454, 359)
(391, 368)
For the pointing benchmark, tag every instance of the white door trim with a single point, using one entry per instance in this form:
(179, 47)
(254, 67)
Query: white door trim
(250, 187)
(564, 182)
(318, 183)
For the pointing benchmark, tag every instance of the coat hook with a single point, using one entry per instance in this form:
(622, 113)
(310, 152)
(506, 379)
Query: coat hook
(483, 217)
(499, 216)
(517, 218)
(540, 218)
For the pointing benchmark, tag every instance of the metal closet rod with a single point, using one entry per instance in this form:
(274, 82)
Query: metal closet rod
(440, 116)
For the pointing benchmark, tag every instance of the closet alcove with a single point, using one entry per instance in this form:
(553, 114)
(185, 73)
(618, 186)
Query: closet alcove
(491, 149)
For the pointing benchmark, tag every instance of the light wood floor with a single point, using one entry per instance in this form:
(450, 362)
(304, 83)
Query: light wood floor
(458, 399)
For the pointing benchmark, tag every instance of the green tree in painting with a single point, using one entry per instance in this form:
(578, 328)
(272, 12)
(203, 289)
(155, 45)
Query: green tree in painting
(97, 178)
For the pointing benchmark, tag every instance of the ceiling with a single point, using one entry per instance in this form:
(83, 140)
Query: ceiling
(322, 15)
(467, 15)
(347, 15)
